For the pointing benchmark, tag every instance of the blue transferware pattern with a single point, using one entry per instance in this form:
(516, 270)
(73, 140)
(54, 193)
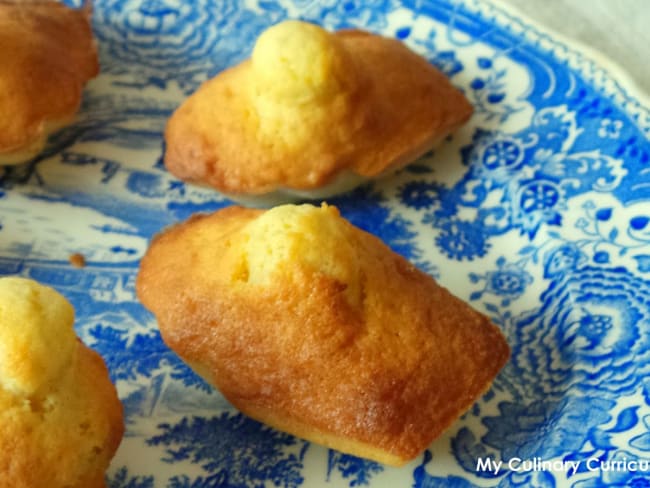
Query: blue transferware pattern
(537, 212)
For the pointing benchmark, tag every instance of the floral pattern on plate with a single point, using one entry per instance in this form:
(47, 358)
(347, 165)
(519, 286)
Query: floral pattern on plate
(537, 213)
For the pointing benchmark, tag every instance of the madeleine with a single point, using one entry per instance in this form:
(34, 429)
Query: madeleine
(60, 418)
(315, 327)
(311, 114)
(47, 54)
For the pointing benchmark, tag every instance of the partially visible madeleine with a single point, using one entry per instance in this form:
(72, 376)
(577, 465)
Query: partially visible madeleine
(315, 327)
(312, 113)
(60, 417)
(47, 54)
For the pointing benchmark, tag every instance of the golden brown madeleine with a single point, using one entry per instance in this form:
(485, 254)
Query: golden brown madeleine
(310, 110)
(60, 417)
(47, 54)
(315, 327)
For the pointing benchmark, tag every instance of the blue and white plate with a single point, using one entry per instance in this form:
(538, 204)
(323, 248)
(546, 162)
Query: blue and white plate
(537, 213)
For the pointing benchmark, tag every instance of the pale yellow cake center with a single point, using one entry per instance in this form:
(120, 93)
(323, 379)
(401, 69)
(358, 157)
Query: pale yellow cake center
(37, 339)
(295, 61)
(313, 238)
(299, 72)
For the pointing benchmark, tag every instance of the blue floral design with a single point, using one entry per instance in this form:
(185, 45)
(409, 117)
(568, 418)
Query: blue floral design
(538, 201)
(494, 156)
(508, 281)
(348, 13)
(570, 142)
(562, 259)
(642, 441)
(140, 355)
(545, 428)
(537, 479)
(488, 91)
(617, 477)
(532, 175)
(502, 153)
(121, 479)
(462, 240)
(419, 194)
(422, 479)
(234, 451)
(610, 128)
(160, 33)
(445, 61)
(183, 41)
(572, 341)
(608, 230)
(357, 471)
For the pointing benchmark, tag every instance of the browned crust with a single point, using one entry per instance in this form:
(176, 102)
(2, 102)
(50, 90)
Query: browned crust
(380, 381)
(77, 260)
(403, 107)
(47, 54)
(67, 441)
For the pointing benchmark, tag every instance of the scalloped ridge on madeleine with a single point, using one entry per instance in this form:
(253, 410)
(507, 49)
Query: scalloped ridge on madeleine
(47, 54)
(315, 327)
(60, 417)
(312, 113)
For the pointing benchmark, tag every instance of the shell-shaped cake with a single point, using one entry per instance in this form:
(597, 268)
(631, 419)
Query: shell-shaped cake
(311, 114)
(47, 54)
(317, 328)
(60, 417)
